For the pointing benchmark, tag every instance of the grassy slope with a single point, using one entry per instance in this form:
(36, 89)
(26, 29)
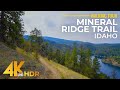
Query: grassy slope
(7, 55)
(62, 71)
(48, 69)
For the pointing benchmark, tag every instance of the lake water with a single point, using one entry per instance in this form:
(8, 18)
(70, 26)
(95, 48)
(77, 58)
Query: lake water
(108, 69)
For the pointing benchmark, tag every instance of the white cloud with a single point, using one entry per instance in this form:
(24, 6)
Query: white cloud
(50, 22)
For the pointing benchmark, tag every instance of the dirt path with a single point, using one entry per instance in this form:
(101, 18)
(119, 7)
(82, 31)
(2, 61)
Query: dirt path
(54, 73)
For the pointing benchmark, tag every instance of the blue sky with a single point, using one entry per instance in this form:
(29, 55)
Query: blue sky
(50, 22)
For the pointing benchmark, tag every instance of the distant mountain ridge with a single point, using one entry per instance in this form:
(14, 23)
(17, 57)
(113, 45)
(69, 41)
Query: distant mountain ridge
(58, 40)
(103, 49)
(68, 42)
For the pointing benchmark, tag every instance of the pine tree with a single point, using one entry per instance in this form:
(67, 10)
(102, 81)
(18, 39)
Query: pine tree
(57, 56)
(36, 36)
(11, 28)
(73, 57)
(96, 65)
(82, 55)
(44, 49)
(50, 53)
(88, 58)
(82, 60)
(62, 61)
(88, 64)
(36, 41)
(67, 58)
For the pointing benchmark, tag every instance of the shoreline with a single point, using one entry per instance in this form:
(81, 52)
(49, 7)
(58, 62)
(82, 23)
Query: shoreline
(111, 63)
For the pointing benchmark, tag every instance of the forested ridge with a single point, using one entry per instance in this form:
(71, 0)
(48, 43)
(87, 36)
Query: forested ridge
(75, 57)
(100, 50)
(14, 47)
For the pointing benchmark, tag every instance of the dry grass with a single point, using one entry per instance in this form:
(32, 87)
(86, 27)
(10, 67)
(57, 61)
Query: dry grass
(7, 55)
(63, 71)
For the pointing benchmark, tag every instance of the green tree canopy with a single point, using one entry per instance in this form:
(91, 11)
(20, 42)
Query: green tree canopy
(11, 27)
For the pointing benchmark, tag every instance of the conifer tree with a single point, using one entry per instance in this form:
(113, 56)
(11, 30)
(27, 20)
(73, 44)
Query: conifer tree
(36, 40)
(11, 27)
(67, 58)
(96, 65)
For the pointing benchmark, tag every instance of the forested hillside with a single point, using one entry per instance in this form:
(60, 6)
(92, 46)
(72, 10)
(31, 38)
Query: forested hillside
(100, 50)
(69, 56)
(14, 47)
(51, 56)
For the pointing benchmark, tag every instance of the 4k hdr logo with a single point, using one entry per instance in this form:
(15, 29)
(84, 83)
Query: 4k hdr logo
(14, 70)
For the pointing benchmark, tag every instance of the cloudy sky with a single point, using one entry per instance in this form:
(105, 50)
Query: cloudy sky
(50, 23)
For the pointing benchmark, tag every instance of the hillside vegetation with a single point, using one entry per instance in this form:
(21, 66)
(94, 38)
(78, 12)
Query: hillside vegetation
(61, 71)
(7, 55)
(75, 57)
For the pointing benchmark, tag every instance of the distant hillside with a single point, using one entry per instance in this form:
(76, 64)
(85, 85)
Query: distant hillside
(61, 41)
(56, 40)
(101, 50)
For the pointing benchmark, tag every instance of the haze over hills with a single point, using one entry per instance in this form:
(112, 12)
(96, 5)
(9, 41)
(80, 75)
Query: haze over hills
(69, 42)
(59, 40)
(104, 49)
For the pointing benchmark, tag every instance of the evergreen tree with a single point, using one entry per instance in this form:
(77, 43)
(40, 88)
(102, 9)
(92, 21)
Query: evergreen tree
(96, 65)
(50, 53)
(62, 61)
(82, 60)
(67, 58)
(88, 64)
(57, 56)
(73, 57)
(36, 36)
(43, 49)
(88, 58)
(11, 28)
(36, 40)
